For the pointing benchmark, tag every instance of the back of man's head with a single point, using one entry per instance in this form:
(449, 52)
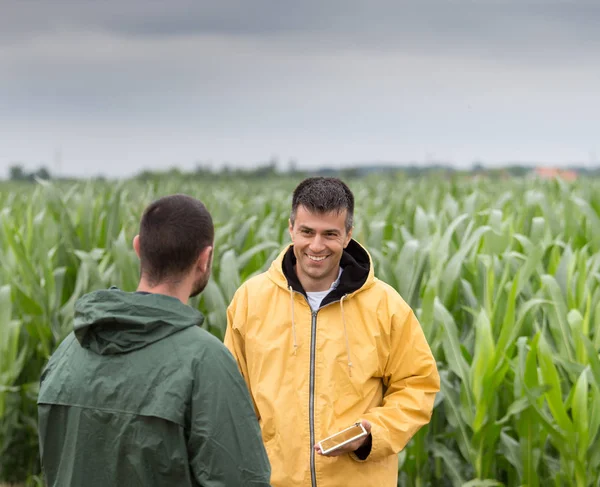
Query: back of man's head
(324, 195)
(173, 232)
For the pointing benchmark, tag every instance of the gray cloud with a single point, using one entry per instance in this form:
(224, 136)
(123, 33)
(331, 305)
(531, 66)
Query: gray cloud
(379, 23)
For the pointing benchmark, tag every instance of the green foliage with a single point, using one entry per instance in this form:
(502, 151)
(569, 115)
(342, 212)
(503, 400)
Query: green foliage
(504, 276)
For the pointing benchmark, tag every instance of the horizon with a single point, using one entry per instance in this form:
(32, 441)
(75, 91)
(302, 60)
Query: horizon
(287, 168)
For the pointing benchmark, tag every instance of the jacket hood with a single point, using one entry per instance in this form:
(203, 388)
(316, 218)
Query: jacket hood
(111, 321)
(357, 264)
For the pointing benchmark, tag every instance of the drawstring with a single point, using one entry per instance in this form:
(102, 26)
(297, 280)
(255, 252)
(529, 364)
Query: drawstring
(293, 323)
(346, 334)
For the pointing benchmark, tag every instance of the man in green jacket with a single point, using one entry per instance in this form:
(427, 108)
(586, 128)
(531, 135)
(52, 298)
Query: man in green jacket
(139, 394)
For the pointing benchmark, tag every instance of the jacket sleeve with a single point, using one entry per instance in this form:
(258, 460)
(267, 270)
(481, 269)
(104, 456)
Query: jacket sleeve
(234, 335)
(225, 445)
(411, 380)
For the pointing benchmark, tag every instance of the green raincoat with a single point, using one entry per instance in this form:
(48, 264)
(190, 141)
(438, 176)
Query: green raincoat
(139, 395)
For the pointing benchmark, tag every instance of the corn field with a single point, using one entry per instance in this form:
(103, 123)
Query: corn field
(504, 276)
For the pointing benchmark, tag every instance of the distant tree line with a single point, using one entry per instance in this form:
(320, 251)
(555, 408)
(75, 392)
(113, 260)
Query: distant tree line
(18, 173)
(270, 169)
(260, 171)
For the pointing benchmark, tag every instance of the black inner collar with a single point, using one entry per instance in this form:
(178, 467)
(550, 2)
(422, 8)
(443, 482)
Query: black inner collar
(355, 262)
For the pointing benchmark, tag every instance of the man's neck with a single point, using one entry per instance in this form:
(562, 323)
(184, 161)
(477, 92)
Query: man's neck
(315, 286)
(179, 291)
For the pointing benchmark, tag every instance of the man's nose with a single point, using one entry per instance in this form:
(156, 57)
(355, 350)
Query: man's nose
(317, 244)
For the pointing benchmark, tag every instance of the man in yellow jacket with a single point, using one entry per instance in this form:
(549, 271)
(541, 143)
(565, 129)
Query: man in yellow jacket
(323, 344)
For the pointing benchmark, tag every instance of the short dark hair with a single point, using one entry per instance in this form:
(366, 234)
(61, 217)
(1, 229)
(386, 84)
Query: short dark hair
(173, 231)
(324, 195)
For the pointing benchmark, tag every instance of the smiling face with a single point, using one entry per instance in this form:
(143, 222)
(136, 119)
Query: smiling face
(319, 241)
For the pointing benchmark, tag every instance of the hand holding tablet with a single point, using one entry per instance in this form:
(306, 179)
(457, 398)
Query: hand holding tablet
(345, 441)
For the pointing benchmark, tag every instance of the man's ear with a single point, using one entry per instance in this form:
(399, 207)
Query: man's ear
(136, 245)
(205, 259)
(290, 229)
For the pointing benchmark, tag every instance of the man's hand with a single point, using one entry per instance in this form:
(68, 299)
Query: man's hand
(350, 447)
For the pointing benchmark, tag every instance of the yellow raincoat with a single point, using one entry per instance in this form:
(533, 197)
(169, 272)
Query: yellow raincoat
(362, 355)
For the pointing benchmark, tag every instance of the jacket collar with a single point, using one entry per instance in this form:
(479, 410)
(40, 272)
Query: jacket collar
(356, 262)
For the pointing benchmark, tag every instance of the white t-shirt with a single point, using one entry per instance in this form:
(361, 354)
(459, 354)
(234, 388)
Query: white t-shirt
(315, 297)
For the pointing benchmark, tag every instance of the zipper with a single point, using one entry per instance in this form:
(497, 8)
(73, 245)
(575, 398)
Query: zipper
(311, 397)
(311, 386)
(311, 394)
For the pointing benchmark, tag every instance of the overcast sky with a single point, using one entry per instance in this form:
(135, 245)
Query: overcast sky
(111, 87)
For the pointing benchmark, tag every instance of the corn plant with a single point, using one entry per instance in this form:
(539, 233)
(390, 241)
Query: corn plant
(504, 276)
